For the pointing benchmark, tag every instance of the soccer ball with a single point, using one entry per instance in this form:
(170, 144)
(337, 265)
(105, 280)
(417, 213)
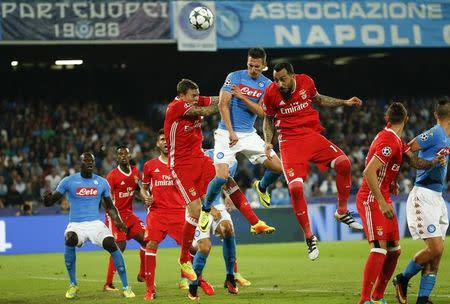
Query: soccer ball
(201, 18)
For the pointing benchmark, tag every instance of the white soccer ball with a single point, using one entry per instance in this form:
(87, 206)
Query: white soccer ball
(201, 18)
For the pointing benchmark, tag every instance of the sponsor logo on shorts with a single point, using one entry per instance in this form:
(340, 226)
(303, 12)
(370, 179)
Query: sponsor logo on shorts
(86, 191)
(431, 228)
(220, 155)
(380, 230)
(197, 233)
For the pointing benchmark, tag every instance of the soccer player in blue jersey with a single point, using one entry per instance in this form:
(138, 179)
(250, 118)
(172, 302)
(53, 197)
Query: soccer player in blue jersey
(239, 104)
(426, 209)
(222, 227)
(84, 191)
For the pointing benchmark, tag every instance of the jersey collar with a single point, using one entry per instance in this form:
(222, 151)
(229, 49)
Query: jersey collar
(392, 131)
(126, 174)
(161, 160)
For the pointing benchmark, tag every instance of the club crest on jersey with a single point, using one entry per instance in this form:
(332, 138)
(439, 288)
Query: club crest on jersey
(386, 151)
(303, 94)
(261, 84)
(290, 172)
(192, 191)
(380, 230)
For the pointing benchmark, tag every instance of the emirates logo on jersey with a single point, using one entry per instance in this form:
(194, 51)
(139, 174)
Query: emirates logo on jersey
(386, 151)
(250, 92)
(128, 193)
(86, 191)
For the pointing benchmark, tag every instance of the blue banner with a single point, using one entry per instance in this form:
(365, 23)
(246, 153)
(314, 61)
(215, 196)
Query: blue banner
(339, 24)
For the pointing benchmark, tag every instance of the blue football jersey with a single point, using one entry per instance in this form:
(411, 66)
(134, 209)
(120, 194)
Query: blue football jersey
(433, 142)
(233, 168)
(242, 118)
(84, 196)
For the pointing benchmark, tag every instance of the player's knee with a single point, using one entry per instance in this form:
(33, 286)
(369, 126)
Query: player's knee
(71, 239)
(226, 229)
(109, 244)
(342, 165)
(296, 189)
(204, 246)
(152, 245)
(122, 245)
(222, 171)
(435, 250)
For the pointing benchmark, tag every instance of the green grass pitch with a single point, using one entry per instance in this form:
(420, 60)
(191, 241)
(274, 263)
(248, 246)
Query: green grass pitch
(280, 273)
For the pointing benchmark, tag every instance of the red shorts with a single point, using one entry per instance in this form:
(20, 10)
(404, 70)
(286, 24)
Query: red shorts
(192, 180)
(296, 153)
(376, 226)
(133, 223)
(159, 224)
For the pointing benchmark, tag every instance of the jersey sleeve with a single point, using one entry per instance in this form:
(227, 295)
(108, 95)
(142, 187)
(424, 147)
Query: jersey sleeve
(62, 186)
(110, 181)
(405, 147)
(427, 139)
(204, 101)
(179, 108)
(267, 103)
(384, 151)
(310, 86)
(146, 174)
(232, 79)
(106, 192)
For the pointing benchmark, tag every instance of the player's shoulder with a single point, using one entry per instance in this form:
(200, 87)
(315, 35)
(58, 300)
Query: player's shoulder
(303, 78)
(99, 179)
(150, 163)
(263, 79)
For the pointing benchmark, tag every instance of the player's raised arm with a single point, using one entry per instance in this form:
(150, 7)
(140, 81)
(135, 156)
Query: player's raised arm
(370, 173)
(327, 101)
(419, 163)
(252, 106)
(197, 110)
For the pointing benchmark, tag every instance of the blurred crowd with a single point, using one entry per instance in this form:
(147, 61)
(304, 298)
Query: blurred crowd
(40, 143)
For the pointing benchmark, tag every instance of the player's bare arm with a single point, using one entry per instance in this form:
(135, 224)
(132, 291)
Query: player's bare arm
(224, 109)
(327, 101)
(146, 195)
(269, 131)
(113, 213)
(252, 106)
(50, 198)
(370, 173)
(204, 111)
(420, 163)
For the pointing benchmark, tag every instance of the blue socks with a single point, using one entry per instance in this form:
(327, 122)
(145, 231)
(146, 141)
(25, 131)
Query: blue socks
(229, 253)
(426, 284)
(268, 178)
(120, 266)
(411, 269)
(214, 188)
(199, 264)
(70, 259)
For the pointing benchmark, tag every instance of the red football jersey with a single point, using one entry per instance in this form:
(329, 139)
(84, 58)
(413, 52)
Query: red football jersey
(123, 186)
(165, 194)
(389, 149)
(183, 133)
(294, 117)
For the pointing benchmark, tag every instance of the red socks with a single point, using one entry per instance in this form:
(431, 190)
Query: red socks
(372, 271)
(299, 205)
(241, 203)
(111, 271)
(150, 269)
(386, 273)
(343, 169)
(188, 237)
(142, 262)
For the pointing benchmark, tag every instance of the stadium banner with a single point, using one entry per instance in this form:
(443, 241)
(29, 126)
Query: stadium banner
(88, 21)
(45, 233)
(188, 38)
(338, 24)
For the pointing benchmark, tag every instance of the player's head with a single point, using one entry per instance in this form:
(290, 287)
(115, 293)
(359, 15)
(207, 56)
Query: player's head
(284, 77)
(442, 110)
(256, 62)
(87, 163)
(123, 155)
(396, 114)
(188, 91)
(161, 142)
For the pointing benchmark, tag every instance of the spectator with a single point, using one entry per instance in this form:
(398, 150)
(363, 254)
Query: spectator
(328, 186)
(53, 179)
(13, 198)
(280, 195)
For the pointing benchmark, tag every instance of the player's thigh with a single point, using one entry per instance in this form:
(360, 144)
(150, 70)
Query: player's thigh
(223, 154)
(424, 213)
(376, 226)
(157, 227)
(323, 150)
(208, 173)
(187, 179)
(135, 226)
(253, 147)
(97, 232)
(295, 171)
(176, 224)
(225, 222)
(78, 229)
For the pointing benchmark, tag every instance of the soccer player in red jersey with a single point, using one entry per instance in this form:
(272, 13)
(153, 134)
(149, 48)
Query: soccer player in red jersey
(375, 205)
(123, 181)
(166, 214)
(288, 107)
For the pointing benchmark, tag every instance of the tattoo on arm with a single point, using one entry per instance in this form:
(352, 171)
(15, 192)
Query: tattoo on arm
(327, 101)
(417, 162)
(203, 111)
(215, 100)
(268, 129)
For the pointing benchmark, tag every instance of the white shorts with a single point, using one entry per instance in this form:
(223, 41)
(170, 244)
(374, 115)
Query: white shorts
(250, 144)
(426, 212)
(94, 231)
(224, 216)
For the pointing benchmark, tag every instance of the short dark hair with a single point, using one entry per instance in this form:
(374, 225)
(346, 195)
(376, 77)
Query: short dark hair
(122, 146)
(396, 113)
(284, 65)
(184, 85)
(161, 131)
(443, 107)
(257, 53)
